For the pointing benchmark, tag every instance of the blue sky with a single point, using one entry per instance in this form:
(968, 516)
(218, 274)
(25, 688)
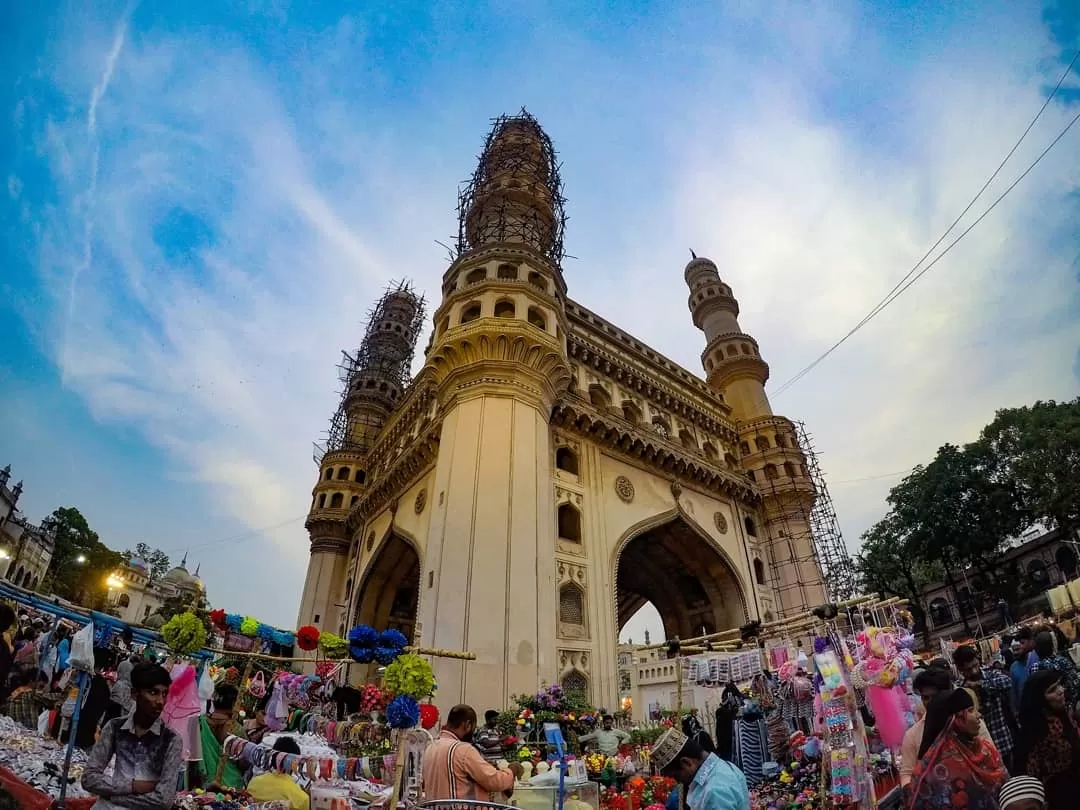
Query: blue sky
(202, 201)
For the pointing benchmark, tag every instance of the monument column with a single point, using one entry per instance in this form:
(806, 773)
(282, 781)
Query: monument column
(499, 358)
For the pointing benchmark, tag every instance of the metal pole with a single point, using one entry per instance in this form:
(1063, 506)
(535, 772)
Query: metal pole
(71, 740)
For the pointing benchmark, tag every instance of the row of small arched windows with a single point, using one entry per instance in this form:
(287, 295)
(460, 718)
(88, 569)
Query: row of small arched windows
(732, 351)
(23, 577)
(343, 474)
(761, 444)
(337, 500)
(504, 272)
(772, 472)
(504, 308)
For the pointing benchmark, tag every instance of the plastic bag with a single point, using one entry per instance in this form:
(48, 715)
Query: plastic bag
(82, 649)
(43, 723)
(206, 685)
(277, 709)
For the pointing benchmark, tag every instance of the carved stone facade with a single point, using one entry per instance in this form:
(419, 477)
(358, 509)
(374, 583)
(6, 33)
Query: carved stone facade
(562, 474)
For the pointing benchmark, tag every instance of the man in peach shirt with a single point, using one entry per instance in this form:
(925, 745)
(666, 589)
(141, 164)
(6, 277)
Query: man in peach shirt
(929, 682)
(453, 768)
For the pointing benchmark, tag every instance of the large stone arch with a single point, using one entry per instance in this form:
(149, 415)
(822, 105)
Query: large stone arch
(673, 563)
(388, 594)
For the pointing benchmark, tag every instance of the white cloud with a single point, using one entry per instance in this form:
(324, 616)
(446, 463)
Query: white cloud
(301, 203)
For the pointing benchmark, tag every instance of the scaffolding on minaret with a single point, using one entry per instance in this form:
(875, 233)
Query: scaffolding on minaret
(832, 554)
(374, 379)
(515, 194)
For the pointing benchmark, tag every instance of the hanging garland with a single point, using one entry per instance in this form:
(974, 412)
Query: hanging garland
(410, 675)
(333, 645)
(307, 638)
(184, 633)
(403, 712)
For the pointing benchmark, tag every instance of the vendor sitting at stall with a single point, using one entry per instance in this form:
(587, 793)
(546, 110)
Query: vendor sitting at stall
(148, 754)
(272, 786)
(453, 768)
(710, 782)
(607, 739)
(222, 720)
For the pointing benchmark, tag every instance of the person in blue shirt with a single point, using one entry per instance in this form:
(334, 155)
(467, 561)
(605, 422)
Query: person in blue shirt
(1021, 666)
(710, 782)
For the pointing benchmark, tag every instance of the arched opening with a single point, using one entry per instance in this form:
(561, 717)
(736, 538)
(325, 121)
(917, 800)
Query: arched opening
(789, 469)
(687, 439)
(690, 582)
(744, 448)
(329, 473)
(940, 613)
(322, 500)
(504, 308)
(343, 474)
(124, 600)
(353, 500)
(572, 611)
(1037, 574)
(508, 271)
(569, 520)
(599, 397)
(359, 477)
(336, 500)
(759, 572)
(471, 312)
(711, 453)
(479, 274)
(537, 319)
(566, 460)
(34, 583)
(1065, 558)
(19, 576)
(748, 524)
(575, 683)
(761, 443)
(631, 412)
(389, 591)
(538, 281)
(770, 472)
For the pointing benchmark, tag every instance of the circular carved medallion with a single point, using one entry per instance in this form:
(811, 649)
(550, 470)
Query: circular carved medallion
(624, 488)
(721, 522)
(421, 501)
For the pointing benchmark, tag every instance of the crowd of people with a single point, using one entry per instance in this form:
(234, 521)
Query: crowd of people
(997, 734)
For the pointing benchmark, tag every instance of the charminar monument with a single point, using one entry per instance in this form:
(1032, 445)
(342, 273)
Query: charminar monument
(546, 473)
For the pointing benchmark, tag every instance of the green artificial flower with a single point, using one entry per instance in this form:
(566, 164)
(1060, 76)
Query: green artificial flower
(411, 675)
(333, 645)
(184, 633)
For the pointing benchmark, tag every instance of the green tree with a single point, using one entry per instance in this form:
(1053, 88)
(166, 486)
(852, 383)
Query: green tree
(81, 562)
(891, 563)
(157, 561)
(1037, 448)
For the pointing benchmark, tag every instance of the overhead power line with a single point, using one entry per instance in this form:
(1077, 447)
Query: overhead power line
(235, 538)
(904, 283)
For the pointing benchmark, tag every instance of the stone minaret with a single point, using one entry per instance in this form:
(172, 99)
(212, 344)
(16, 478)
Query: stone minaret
(769, 450)
(374, 383)
(498, 356)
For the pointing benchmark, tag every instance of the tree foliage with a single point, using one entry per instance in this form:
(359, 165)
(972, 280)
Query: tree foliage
(157, 561)
(960, 510)
(82, 582)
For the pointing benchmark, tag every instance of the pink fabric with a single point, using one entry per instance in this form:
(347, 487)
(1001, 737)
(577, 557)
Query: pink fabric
(887, 706)
(183, 702)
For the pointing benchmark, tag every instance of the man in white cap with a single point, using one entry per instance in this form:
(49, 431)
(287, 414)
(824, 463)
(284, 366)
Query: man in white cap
(710, 782)
(1022, 793)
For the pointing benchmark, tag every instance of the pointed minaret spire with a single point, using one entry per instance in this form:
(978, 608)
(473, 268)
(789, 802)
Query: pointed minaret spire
(197, 567)
(183, 562)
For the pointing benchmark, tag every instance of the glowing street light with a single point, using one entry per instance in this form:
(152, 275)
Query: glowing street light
(80, 559)
(114, 582)
(4, 555)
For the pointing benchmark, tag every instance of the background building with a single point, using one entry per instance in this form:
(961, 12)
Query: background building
(547, 474)
(1024, 573)
(140, 598)
(26, 548)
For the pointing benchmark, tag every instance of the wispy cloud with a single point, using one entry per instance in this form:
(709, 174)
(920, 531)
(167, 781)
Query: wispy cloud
(247, 210)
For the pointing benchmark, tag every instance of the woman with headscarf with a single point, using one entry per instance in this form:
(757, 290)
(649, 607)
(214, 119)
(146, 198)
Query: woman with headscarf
(1049, 747)
(957, 768)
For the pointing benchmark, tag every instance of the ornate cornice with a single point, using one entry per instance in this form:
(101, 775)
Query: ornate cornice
(709, 415)
(513, 252)
(513, 355)
(663, 456)
(400, 472)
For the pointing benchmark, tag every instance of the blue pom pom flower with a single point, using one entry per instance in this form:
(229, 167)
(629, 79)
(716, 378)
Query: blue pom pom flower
(403, 712)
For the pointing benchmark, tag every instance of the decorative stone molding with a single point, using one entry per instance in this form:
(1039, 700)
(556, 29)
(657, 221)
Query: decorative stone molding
(569, 572)
(721, 522)
(663, 456)
(573, 618)
(676, 489)
(420, 502)
(499, 351)
(570, 660)
(624, 488)
(563, 495)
